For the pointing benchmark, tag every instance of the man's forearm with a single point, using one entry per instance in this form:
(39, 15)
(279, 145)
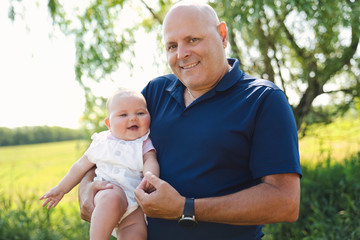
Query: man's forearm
(276, 199)
(84, 194)
(88, 178)
(87, 192)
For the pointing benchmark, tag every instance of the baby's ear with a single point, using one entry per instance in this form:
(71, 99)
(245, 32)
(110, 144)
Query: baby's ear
(107, 122)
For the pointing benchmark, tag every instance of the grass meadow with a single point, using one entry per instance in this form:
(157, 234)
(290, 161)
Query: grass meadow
(330, 204)
(28, 171)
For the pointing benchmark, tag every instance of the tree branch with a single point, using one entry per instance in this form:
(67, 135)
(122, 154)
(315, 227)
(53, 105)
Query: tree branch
(273, 47)
(301, 52)
(333, 65)
(280, 75)
(155, 16)
(345, 90)
(265, 43)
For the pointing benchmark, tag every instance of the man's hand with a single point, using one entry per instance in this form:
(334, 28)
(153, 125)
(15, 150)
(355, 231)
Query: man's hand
(87, 192)
(158, 199)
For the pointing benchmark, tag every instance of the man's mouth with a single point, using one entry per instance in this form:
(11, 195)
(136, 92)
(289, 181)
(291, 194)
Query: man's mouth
(189, 66)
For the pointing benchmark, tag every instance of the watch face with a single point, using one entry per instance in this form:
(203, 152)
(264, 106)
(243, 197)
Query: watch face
(187, 222)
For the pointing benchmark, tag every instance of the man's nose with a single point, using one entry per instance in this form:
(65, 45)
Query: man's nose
(183, 51)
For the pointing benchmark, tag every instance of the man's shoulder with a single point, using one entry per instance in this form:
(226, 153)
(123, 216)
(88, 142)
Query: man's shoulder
(168, 78)
(258, 82)
(159, 85)
(162, 83)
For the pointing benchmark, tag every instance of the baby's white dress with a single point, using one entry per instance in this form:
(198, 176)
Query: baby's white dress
(119, 162)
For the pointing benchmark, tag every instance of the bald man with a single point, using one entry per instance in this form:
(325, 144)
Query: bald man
(226, 142)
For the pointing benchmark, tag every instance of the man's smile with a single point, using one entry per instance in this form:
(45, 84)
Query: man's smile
(189, 66)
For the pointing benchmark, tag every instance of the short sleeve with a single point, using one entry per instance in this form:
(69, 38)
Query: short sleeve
(98, 141)
(90, 150)
(275, 141)
(147, 146)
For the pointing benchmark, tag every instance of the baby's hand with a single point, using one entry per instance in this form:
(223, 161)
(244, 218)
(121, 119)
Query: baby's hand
(149, 188)
(52, 197)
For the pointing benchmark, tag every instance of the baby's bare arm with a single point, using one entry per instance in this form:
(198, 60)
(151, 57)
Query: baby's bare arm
(71, 179)
(151, 164)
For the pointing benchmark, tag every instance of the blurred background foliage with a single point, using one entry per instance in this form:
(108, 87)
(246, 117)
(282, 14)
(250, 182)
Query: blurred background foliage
(310, 48)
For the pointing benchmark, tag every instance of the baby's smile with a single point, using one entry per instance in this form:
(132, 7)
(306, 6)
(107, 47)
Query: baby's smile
(133, 127)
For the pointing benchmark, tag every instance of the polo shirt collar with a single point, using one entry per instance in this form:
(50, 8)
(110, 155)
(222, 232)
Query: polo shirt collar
(231, 77)
(176, 89)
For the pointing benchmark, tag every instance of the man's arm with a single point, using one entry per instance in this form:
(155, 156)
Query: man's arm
(87, 191)
(276, 199)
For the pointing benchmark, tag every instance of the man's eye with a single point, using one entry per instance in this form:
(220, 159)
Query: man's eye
(193, 40)
(171, 47)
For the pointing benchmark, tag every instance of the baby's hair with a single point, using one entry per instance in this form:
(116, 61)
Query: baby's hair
(120, 93)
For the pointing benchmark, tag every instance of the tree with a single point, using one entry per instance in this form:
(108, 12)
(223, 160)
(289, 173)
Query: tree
(307, 47)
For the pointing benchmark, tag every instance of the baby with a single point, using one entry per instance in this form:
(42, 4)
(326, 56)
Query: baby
(122, 154)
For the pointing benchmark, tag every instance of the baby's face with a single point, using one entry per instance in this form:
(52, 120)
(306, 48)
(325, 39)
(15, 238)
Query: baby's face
(128, 118)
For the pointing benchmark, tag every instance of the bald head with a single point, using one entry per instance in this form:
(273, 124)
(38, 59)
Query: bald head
(185, 9)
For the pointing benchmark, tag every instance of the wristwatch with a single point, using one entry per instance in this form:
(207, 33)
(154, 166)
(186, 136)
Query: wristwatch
(188, 217)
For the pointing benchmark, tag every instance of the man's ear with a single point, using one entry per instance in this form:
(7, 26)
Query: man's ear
(222, 29)
(107, 123)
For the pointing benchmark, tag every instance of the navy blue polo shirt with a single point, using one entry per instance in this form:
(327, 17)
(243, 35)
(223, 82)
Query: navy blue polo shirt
(223, 142)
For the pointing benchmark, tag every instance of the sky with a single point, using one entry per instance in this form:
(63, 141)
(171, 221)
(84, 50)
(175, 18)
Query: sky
(37, 79)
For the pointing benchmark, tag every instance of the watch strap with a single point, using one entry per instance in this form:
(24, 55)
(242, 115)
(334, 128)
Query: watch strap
(189, 207)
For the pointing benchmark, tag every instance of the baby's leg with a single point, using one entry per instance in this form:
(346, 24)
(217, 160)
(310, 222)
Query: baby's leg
(110, 205)
(133, 227)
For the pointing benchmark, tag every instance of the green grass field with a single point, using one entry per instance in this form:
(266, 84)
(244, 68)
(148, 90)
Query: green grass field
(36, 168)
(336, 141)
(28, 171)
(33, 169)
